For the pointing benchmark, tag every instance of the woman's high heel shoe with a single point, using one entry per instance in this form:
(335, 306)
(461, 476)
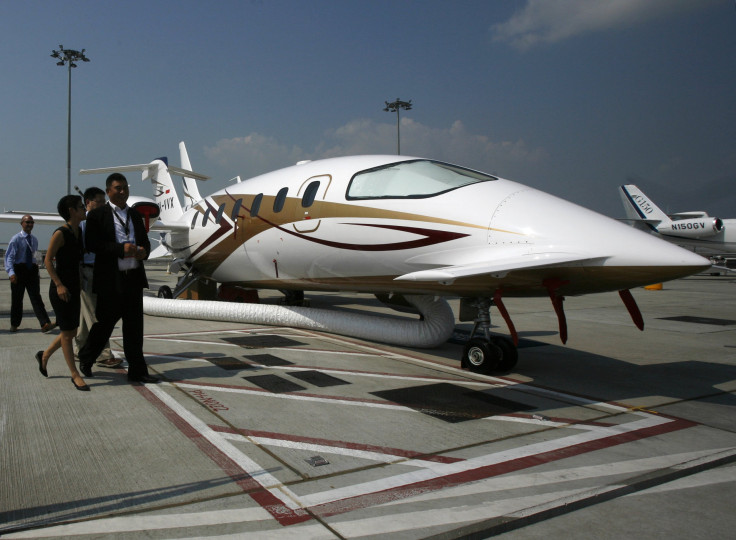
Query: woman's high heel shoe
(39, 359)
(83, 387)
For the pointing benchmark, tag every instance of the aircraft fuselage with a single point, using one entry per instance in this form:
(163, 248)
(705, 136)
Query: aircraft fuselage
(385, 223)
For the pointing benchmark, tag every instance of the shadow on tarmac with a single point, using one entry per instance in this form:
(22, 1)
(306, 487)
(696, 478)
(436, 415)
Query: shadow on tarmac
(68, 511)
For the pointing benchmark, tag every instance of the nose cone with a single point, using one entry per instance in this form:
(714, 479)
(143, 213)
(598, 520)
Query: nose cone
(622, 257)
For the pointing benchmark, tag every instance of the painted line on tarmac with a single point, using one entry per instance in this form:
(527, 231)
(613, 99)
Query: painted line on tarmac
(472, 518)
(440, 476)
(437, 477)
(264, 488)
(292, 396)
(400, 486)
(338, 371)
(595, 437)
(535, 514)
(377, 404)
(360, 450)
(540, 480)
(320, 449)
(389, 376)
(144, 522)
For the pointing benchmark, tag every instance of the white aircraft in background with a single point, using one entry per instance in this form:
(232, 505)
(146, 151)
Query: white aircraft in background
(398, 225)
(692, 229)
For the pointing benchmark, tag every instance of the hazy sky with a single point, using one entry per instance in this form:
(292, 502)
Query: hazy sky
(574, 97)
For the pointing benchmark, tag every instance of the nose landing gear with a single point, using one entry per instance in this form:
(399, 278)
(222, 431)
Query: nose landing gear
(487, 354)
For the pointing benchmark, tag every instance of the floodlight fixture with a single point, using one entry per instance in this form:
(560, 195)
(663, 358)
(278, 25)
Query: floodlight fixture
(396, 106)
(69, 57)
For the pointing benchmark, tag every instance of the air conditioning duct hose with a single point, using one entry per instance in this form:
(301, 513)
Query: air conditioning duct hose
(435, 327)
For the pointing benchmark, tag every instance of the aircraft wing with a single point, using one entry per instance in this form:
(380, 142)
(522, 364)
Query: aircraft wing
(41, 218)
(45, 218)
(498, 267)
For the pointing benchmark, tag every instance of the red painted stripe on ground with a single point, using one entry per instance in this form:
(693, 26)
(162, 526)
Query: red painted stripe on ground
(282, 514)
(481, 473)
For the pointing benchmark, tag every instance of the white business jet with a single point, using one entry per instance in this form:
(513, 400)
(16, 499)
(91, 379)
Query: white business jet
(402, 228)
(398, 225)
(694, 229)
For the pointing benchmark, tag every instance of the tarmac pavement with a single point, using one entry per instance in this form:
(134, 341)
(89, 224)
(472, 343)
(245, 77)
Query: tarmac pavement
(287, 433)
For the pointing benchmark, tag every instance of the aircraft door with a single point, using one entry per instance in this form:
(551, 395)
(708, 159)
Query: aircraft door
(308, 208)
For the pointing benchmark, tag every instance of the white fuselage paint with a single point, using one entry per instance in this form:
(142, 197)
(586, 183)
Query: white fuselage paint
(332, 245)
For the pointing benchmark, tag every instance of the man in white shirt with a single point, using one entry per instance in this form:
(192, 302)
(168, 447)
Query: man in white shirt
(22, 268)
(115, 233)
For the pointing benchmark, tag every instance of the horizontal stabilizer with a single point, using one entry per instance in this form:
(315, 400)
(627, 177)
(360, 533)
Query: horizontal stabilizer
(689, 215)
(160, 251)
(189, 174)
(654, 222)
(151, 168)
(121, 169)
(174, 226)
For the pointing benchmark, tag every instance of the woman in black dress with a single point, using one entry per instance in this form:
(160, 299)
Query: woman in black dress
(66, 248)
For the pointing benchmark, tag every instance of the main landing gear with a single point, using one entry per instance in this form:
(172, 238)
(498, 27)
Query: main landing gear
(164, 291)
(182, 284)
(486, 353)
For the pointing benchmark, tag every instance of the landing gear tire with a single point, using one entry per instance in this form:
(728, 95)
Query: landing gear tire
(165, 292)
(510, 354)
(293, 298)
(482, 356)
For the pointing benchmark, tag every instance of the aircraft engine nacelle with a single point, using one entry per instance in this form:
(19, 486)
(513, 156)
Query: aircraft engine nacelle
(693, 228)
(145, 207)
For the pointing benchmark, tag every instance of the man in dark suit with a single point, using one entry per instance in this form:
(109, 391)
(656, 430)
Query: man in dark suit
(115, 233)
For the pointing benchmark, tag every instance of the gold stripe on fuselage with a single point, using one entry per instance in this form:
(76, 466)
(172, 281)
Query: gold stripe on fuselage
(232, 235)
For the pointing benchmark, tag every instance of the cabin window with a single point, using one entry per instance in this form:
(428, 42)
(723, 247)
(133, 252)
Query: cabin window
(206, 216)
(278, 202)
(236, 209)
(412, 180)
(309, 194)
(256, 206)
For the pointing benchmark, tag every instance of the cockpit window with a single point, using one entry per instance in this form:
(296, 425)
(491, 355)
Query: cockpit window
(412, 179)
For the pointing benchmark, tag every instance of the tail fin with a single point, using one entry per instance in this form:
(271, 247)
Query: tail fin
(639, 207)
(164, 192)
(191, 192)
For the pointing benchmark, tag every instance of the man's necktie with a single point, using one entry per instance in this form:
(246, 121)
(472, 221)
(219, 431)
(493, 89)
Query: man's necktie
(29, 256)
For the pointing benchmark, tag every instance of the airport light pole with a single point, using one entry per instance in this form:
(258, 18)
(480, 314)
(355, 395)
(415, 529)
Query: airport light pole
(68, 57)
(395, 106)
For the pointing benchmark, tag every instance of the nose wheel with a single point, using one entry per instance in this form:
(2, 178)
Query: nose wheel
(488, 354)
(481, 356)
